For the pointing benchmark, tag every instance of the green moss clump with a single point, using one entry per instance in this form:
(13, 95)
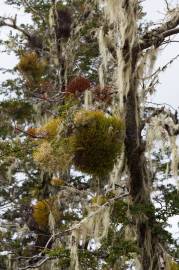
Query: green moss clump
(32, 66)
(54, 156)
(97, 142)
(99, 200)
(42, 210)
(89, 140)
(174, 266)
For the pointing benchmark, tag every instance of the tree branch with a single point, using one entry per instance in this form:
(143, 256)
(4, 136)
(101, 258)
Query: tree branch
(156, 36)
(13, 25)
(36, 265)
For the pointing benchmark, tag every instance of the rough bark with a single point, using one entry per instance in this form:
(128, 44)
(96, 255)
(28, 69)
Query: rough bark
(139, 179)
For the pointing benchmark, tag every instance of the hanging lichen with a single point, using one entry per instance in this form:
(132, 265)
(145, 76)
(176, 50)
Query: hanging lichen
(157, 132)
(88, 100)
(102, 48)
(124, 20)
(174, 156)
(74, 250)
(94, 226)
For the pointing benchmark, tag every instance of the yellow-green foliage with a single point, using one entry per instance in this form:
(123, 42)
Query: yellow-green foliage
(53, 156)
(97, 143)
(32, 132)
(49, 130)
(92, 145)
(99, 200)
(41, 211)
(43, 154)
(174, 266)
(57, 182)
(32, 66)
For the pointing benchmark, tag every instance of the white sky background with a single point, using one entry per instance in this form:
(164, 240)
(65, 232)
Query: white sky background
(167, 90)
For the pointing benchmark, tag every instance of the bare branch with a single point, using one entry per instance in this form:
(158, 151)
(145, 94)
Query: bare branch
(157, 36)
(13, 24)
(36, 265)
(167, 5)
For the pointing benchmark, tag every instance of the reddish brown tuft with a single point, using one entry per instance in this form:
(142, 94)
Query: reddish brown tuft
(103, 94)
(46, 87)
(78, 85)
(32, 132)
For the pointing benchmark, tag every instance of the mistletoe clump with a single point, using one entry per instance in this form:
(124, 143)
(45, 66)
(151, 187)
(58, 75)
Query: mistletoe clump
(54, 156)
(42, 210)
(50, 128)
(103, 94)
(78, 85)
(64, 22)
(53, 149)
(32, 66)
(97, 142)
(99, 200)
(57, 182)
(92, 144)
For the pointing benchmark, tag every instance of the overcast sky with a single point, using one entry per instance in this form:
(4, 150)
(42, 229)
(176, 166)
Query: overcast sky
(167, 90)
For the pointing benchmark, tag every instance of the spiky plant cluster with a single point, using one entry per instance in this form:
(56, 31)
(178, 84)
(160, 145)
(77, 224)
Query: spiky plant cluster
(53, 156)
(99, 200)
(32, 132)
(32, 66)
(50, 129)
(46, 87)
(98, 142)
(173, 266)
(103, 94)
(92, 145)
(42, 210)
(78, 85)
(57, 182)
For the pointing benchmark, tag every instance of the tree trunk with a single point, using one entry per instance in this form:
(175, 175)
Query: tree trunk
(140, 182)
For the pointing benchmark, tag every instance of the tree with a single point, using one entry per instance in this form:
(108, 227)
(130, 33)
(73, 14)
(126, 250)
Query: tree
(83, 186)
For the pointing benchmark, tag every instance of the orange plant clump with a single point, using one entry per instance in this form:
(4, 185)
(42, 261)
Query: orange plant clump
(42, 210)
(57, 182)
(78, 85)
(41, 213)
(46, 87)
(32, 132)
(103, 94)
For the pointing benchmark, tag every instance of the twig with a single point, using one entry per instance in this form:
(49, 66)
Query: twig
(27, 133)
(36, 265)
(34, 10)
(13, 25)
